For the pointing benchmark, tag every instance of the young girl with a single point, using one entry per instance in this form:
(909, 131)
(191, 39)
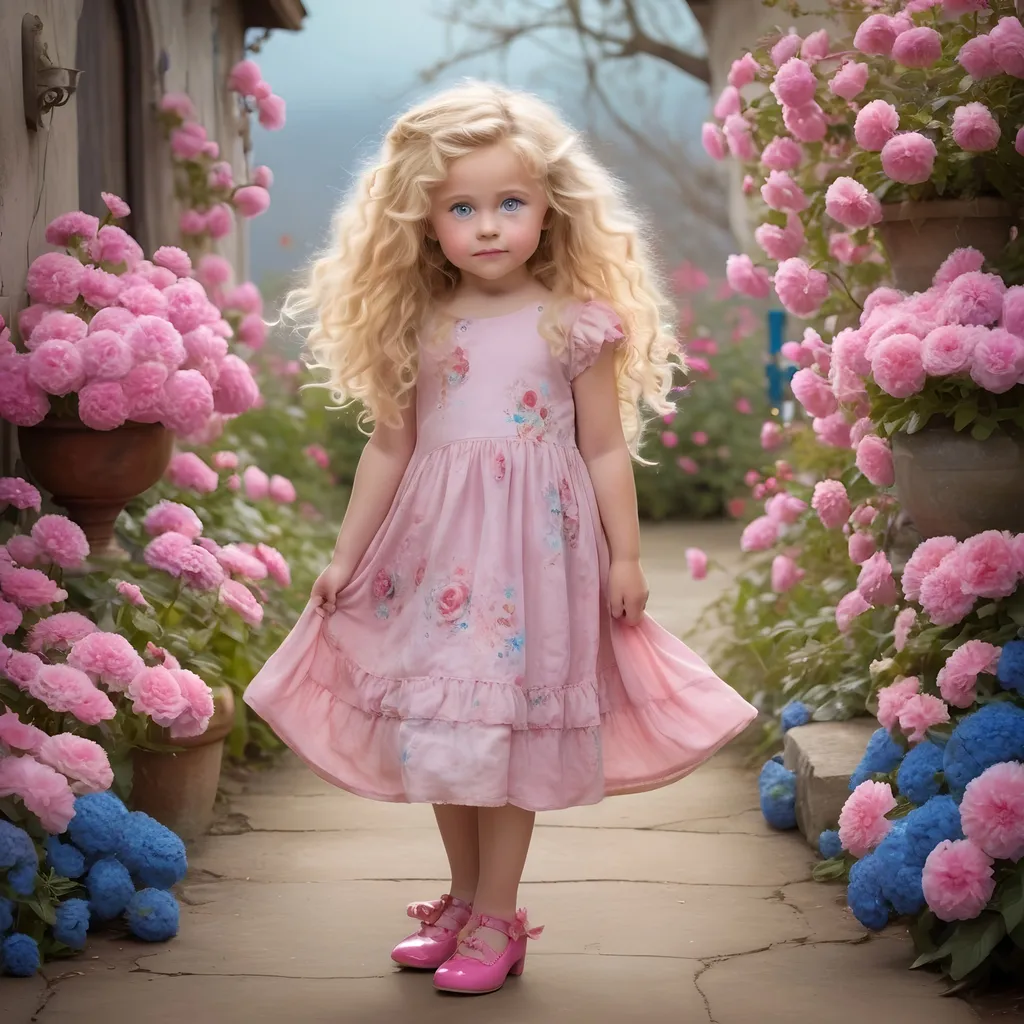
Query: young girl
(479, 640)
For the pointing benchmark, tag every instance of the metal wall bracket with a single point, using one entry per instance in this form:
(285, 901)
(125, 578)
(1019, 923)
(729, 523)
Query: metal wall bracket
(44, 85)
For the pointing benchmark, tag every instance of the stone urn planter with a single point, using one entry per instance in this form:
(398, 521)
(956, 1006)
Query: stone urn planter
(95, 473)
(953, 485)
(179, 788)
(919, 236)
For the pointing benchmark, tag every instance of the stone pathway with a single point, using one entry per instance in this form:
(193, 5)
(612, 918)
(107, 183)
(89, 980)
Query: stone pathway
(677, 905)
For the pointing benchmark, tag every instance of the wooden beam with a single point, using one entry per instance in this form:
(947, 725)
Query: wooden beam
(282, 14)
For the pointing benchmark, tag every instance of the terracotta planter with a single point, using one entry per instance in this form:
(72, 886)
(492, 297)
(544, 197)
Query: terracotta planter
(952, 485)
(179, 789)
(919, 236)
(95, 473)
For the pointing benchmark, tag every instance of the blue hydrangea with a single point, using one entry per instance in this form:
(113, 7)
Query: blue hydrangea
(1010, 672)
(96, 827)
(110, 888)
(829, 845)
(916, 776)
(19, 955)
(18, 855)
(72, 925)
(881, 755)
(902, 853)
(152, 915)
(6, 915)
(795, 713)
(777, 789)
(65, 859)
(152, 852)
(994, 733)
(864, 894)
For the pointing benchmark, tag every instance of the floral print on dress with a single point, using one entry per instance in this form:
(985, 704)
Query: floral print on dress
(385, 585)
(499, 467)
(530, 410)
(564, 528)
(454, 371)
(503, 632)
(447, 603)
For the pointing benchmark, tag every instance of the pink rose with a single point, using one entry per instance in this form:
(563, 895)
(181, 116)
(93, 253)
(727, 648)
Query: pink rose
(947, 351)
(30, 588)
(811, 390)
(781, 243)
(59, 631)
(997, 362)
(747, 279)
(697, 563)
(271, 112)
(43, 791)
(56, 367)
(917, 48)
(958, 678)
(799, 288)
(785, 574)
(957, 880)
(759, 534)
(53, 278)
(992, 811)
(975, 130)
(831, 503)
(875, 35)
(977, 58)
(771, 435)
(743, 71)
(195, 720)
(782, 154)
(188, 471)
(132, 594)
(245, 78)
(257, 483)
(794, 83)
(860, 547)
(926, 557)
(788, 46)
(20, 735)
(806, 123)
(737, 137)
(920, 713)
(849, 80)
(816, 46)
(942, 595)
(891, 700)
(862, 821)
(156, 693)
(908, 158)
(849, 608)
(897, 366)
(875, 125)
(1008, 46)
(875, 582)
(902, 627)
(784, 508)
(168, 516)
(728, 102)
(453, 601)
(832, 431)
(240, 599)
(107, 658)
(849, 202)
(71, 229)
(237, 390)
(81, 760)
(251, 200)
(987, 566)
(713, 140)
(874, 460)
(281, 490)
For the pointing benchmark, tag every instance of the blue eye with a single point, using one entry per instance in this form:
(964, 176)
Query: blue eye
(462, 209)
(511, 205)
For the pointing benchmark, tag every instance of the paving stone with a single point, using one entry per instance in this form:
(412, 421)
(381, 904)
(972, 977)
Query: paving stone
(20, 998)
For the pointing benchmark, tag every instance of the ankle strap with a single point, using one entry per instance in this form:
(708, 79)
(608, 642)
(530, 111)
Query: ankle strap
(431, 912)
(515, 929)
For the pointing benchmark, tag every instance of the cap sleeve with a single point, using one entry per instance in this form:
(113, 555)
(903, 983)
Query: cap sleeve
(595, 326)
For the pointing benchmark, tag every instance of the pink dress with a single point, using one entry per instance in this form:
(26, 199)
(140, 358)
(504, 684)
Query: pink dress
(472, 659)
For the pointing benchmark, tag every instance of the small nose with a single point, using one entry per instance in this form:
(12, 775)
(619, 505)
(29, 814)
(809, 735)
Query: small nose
(487, 225)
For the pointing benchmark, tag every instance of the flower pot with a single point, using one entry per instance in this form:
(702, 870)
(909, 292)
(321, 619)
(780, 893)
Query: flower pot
(179, 789)
(95, 473)
(952, 485)
(919, 236)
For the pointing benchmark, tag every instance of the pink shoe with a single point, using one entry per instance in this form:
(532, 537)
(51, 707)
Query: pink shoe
(470, 976)
(434, 943)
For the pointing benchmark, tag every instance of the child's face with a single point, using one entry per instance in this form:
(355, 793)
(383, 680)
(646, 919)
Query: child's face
(488, 214)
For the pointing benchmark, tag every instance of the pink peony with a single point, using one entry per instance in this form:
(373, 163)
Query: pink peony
(713, 140)
(947, 350)
(43, 791)
(174, 259)
(958, 678)
(771, 435)
(105, 356)
(30, 588)
(747, 279)
(81, 760)
(276, 564)
(188, 306)
(832, 431)
(992, 811)
(957, 880)
(56, 367)
(196, 719)
(997, 362)
(245, 297)
(257, 483)
(153, 339)
(728, 103)
(781, 193)
(782, 154)
(860, 547)
(116, 205)
(71, 229)
(245, 78)
(806, 123)
(143, 388)
(20, 735)
(262, 176)
(987, 566)
(842, 248)
(977, 58)
(156, 693)
(272, 110)
(21, 668)
(737, 137)
(59, 687)
(794, 83)
(281, 490)
(816, 46)
(192, 223)
(917, 48)
(220, 220)
(849, 608)
(811, 390)
(875, 35)
(897, 366)
(165, 552)
(926, 557)
(30, 318)
(59, 632)
(188, 471)
(170, 516)
(251, 200)
(188, 401)
(22, 402)
(252, 331)
(851, 204)
(875, 125)
(23, 549)
(53, 278)
(102, 405)
(874, 460)
(902, 627)
(697, 563)
(831, 503)
(920, 713)
(785, 574)
(908, 158)
(226, 460)
(214, 270)
(113, 318)
(743, 71)
(19, 493)
(1013, 310)
(239, 562)
(759, 534)
(115, 247)
(237, 390)
(198, 568)
(800, 289)
(785, 508)
(132, 594)
(164, 657)
(99, 288)
(864, 515)
(143, 299)
(975, 130)
(875, 582)
(862, 821)
(1008, 46)
(849, 80)
(239, 598)
(188, 140)
(107, 658)
(788, 46)
(942, 595)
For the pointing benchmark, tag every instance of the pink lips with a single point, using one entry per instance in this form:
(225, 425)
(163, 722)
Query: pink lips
(490, 252)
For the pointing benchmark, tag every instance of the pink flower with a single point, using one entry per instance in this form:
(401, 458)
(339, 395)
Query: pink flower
(105, 355)
(875, 581)
(687, 465)
(874, 460)
(742, 406)
(1008, 46)
(81, 760)
(1018, 142)
(165, 552)
(113, 318)
(920, 713)
(318, 454)
(245, 78)
(257, 483)
(908, 158)
(19, 493)
(728, 102)
(53, 278)
(167, 659)
(251, 200)
(143, 299)
(771, 435)
(107, 658)
(942, 595)
(787, 46)
(785, 574)
(800, 289)
(849, 608)
(99, 288)
(59, 687)
(1013, 310)
(794, 83)
(239, 598)
(737, 137)
(23, 549)
(281, 490)
(114, 246)
(811, 390)
(747, 279)
(759, 535)
(43, 791)
(782, 154)
(997, 362)
(926, 557)
(176, 260)
(198, 568)
(864, 515)
(860, 546)
(22, 402)
(214, 270)
(832, 431)
(784, 508)
(917, 48)
(57, 327)
(901, 630)
(102, 405)
(862, 821)
(276, 564)
(58, 632)
(986, 565)
(170, 516)
(234, 482)
(271, 112)
(239, 562)
(71, 229)
(188, 471)
(153, 339)
(237, 390)
(897, 366)
(956, 8)
(221, 176)
(188, 401)
(806, 123)
(978, 59)
(699, 438)
(743, 71)
(669, 439)
(875, 125)
(958, 678)
(992, 811)
(816, 46)
(841, 248)
(192, 223)
(195, 720)
(875, 35)
(781, 243)
(975, 130)
(30, 588)
(713, 140)
(263, 176)
(831, 503)
(851, 204)
(245, 298)
(179, 104)
(849, 80)
(188, 306)
(220, 220)
(188, 140)
(957, 880)
(115, 204)
(143, 388)
(156, 693)
(132, 594)
(947, 351)
(697, 563)
(20, 735)
(56, 367)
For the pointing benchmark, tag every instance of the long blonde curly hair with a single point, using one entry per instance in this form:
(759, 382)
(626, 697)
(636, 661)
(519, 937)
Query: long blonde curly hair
(370, 295)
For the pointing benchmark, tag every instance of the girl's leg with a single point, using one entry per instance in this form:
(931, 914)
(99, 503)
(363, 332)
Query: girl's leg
(505, 834)
(460, 834)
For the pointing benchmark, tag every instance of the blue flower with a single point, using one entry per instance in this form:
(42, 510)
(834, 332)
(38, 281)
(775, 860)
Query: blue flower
(795, 713)
(6, 915)
(777, 788)
(65, 859)
(110, 888)
(96, 827)
(18, 855)
(152, 852)
(829, 845)
(916, 776)
(19, 955)
(882, 754)
(152, 915)
(992, 734)
(1010, 672)
(72, 924)
(864, 894)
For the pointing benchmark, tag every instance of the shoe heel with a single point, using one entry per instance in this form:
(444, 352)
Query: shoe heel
(518, 968)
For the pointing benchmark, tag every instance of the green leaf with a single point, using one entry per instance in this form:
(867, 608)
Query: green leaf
(983, 429)
(42, 909)
(833, 870)
(973, 941)
(1010, 901)
(145, 623)
(966, 413)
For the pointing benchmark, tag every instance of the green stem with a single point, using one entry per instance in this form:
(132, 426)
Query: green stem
(174, 600)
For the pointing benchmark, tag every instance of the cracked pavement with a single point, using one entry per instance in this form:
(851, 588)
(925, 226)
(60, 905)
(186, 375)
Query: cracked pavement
(670, 906)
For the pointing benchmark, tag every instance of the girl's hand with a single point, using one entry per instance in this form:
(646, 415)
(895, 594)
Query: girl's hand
(627, 591)
(328, 585)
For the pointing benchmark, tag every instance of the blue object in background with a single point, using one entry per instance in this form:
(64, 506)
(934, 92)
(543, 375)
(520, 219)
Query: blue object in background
(777, 376)
(776, 330)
